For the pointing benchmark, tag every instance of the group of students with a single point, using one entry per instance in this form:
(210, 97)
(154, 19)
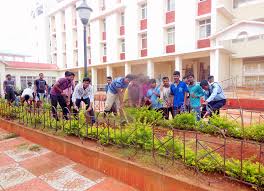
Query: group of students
(37, 93)
(202, 98)
(132, 90)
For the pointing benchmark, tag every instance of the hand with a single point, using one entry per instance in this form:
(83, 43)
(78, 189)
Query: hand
(89, 108)
(205, 103)
(76, 108)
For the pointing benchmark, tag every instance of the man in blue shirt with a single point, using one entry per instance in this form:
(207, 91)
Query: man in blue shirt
(215, 97)
(196, 92)
(179, 92)
(109, 81)
(115, 94)
(153, 95)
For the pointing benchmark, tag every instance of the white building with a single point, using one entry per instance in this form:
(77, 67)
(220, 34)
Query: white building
(223, 38)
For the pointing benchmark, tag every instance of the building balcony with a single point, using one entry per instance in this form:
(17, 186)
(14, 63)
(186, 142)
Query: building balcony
(170, 17)
(144, 52)
(203, 43)
(143, 24)
(103, 36)
(204, 7)
(122, 30)
(246, 47)
(170, 48)
(122, 56)
(104, 58)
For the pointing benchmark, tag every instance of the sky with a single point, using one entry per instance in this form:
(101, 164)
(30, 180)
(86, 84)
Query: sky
(16, 28)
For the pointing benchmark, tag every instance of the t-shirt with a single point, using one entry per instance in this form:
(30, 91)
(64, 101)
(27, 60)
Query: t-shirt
(155, 104)
(64, 83)
(9, 85)
(41, 85)
(178, 91)
(165, 96)
(118, 83)
(197, 91)
(28, 91)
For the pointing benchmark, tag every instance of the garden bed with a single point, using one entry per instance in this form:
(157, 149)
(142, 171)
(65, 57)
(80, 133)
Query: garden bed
(200, 151)
(139, 170)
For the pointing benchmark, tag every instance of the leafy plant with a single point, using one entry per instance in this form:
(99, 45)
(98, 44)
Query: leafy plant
(184, 121)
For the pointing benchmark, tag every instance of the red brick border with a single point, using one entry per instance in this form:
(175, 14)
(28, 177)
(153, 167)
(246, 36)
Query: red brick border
(139, 177)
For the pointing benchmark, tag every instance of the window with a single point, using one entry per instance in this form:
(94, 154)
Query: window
(144, 41)
(171, 34)
(104, 50)
(122, 19)
(123, 47)
(25, 79)
(104, 25)
(143, 11)
(204, 28)
(236, 3)
(102, 5)
(170, 5)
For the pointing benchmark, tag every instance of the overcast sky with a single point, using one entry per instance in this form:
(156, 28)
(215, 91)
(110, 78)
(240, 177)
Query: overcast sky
(16, 28)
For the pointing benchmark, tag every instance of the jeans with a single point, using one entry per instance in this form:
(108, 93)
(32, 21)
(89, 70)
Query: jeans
(197, 112)
(87, 103)
(54, 102)
(166, 112)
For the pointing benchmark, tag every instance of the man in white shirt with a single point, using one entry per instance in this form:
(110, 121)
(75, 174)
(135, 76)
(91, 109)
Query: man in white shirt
(27, 94)
(83, 92)
(166, 98)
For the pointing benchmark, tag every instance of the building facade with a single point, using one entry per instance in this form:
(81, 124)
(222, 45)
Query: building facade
(224, 38)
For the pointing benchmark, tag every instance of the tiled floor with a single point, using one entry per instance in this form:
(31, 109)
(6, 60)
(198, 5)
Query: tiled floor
(25, 169)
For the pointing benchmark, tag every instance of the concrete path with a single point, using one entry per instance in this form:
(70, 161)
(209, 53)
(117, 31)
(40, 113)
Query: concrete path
(25, 166)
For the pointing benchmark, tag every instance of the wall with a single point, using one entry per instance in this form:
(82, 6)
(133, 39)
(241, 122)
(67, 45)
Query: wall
(69, 35)
(250, 11)
(224, 66)
(163, 69)
(185, 25)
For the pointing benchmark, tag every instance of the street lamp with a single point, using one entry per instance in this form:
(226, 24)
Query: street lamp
(84, 12)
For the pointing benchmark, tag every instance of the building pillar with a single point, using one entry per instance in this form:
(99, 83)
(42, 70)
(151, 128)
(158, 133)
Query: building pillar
(94, 79)
(127, 68)
(178, 64)
(79, 75)
(109, 71)
(150, 69)
(215, 63)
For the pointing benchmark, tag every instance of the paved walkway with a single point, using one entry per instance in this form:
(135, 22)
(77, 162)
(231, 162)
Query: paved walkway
(25, 166)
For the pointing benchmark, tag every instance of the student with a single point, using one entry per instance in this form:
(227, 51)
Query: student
(134, 93)
(115, 94)
(40, 89)
(9, 89)
(215, 99)
(186, 81)
(109, 80)
(179, 92)
(196, 92)
(83, 92)
(27, 94)
(57, 94)
(165, 96)
(153, 95)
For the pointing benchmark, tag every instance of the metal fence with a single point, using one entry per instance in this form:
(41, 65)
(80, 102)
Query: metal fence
(162, 142)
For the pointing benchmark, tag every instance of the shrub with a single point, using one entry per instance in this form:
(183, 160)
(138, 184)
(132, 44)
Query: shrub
(184, 121)
(255, 132)
(144, 115)
(232, 128)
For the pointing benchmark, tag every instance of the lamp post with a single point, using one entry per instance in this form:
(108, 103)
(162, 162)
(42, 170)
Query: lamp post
(84, 12)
